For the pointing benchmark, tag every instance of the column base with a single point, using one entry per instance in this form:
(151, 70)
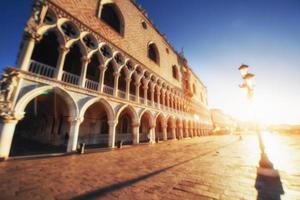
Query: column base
(3, 159)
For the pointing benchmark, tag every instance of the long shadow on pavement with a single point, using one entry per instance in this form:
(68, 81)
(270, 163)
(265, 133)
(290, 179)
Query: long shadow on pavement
(117, 186)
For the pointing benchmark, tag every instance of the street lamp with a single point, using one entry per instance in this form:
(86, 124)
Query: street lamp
(248, 87)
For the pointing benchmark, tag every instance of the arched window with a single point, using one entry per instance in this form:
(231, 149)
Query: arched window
(194, 88)
(153, 53)
(93, 71)
(73, 60)
(175, 72)
(46, 50)
(110, 14)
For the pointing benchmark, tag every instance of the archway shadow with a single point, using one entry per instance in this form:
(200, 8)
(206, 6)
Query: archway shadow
(117, 186)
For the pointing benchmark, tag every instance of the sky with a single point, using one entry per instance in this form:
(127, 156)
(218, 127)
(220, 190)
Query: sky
(217, 37)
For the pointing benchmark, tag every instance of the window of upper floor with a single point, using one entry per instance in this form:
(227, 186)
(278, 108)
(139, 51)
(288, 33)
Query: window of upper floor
(153, 53)
(194, 89)
(112, 16)
(175, 72)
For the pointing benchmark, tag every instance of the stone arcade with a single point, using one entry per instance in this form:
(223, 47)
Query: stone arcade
(97, 72)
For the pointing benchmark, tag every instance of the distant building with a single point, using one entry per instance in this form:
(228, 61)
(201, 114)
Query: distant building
(222, 123)
(97, 72)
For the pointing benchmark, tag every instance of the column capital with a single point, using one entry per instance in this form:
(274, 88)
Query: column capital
(10, 117)
(116, 74)
(138, 84)
(85, 59)
(137, 124)
(112, 123)
(32, 36)
(63, 49)
(128, 79)
(102, 67)
(75, 119)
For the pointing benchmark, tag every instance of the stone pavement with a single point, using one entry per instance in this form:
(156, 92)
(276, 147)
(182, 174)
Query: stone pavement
(215, 167)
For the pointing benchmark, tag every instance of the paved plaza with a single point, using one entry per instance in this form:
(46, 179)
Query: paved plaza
(212, 167)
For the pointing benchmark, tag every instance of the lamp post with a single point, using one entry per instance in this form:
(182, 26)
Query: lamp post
(248, 87)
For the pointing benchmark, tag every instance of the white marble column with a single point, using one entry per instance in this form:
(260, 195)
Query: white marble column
(63, 51)
(7, 129)
(116, 83)
(145, 94)
(74, 133)
(136, 134)
(112, 133)
(165, 133)
(26, 52)
(128, 79)
(174, 133)
(152, 94)
(101, 78)
(85, 61)
(152, 135)
(137, 92)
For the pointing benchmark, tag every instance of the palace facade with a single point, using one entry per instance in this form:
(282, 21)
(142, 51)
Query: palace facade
(97, 72)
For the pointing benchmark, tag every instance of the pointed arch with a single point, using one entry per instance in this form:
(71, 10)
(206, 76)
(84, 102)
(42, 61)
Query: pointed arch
(108, 108)
(153, 52)
(25, 99)
(110, 13)
(131, 112)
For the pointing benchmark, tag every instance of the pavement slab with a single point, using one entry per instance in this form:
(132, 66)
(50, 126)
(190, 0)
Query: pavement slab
(208, 168)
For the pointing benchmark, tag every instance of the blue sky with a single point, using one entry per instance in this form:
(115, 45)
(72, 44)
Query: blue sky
(217, 36)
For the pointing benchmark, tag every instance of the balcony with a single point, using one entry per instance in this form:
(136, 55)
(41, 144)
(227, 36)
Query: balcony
(70, 78)
(108, 90)
(92, 85)
(41, 69)
(49, 71)
(121, 94)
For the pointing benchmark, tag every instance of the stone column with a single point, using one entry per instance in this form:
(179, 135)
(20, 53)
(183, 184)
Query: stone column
(7, 129)
(152, 94)
(158, 98)
(145, 94)
(85, 61)
(101, 78)
(116, 83)
(137, 92)
(136, 134)
(163, 99)
(112, 133)
(128, 79)
(74, 133)
(174, 133)
(28, 44)
(152, 135)
(63, 51)
(180, 132)
(165, 133)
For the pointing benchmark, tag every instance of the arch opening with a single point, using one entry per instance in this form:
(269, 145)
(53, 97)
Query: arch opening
(145, 125)
(73, 64)
(93, 69)
(45, 55)
(111, 15)
(153, 53)
(94, 130)
(45, 127)
(159, 128)
(169, 128)
(122, 80)
(109, 77)
(124, 129)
